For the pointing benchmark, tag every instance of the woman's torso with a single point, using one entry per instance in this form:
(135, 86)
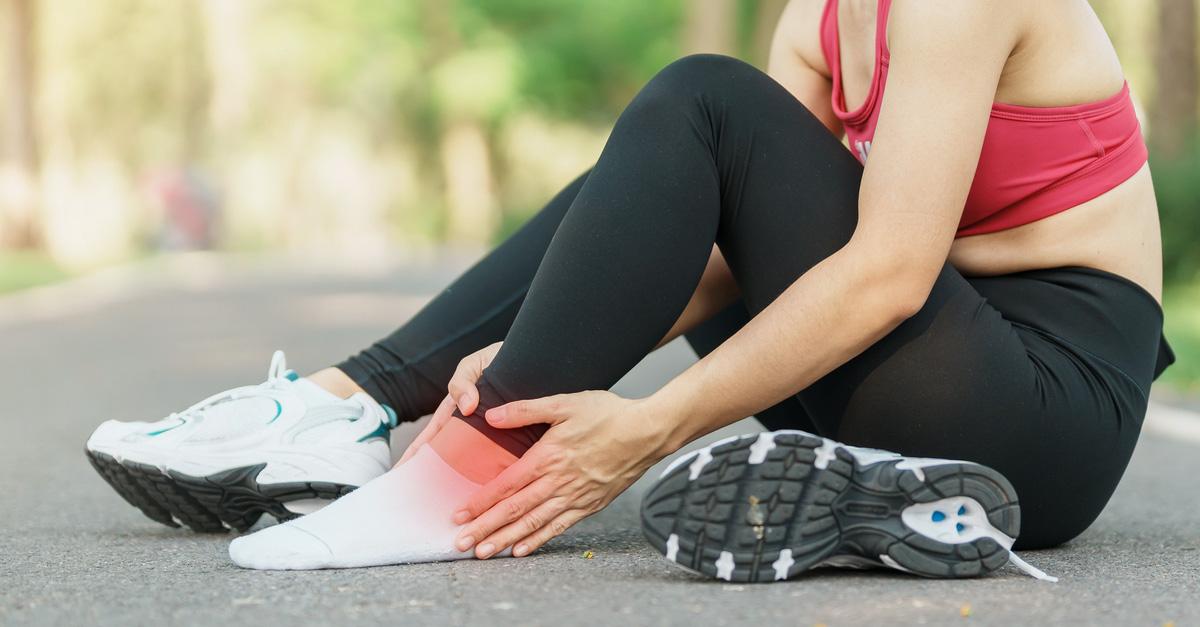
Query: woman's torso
(1064, 58)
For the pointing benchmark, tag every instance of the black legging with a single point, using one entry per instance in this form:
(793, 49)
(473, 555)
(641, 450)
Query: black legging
(1042, 375)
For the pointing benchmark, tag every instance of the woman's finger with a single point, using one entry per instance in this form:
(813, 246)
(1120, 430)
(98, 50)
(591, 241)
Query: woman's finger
(466, 375)
(528, 524)
(555, 527)
(549, 410)
(462, 384)
(440, 416)
(510, 481)
(502, 514)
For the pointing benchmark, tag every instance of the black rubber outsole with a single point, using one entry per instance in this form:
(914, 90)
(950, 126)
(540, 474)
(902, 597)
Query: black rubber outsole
(756, 512)
(216, 503)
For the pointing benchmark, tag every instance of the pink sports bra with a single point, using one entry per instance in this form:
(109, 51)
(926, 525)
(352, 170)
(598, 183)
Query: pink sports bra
(1035, 162)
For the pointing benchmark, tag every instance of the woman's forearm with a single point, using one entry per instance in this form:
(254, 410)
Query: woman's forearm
(830, 314)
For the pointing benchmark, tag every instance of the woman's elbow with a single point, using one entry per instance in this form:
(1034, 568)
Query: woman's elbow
(900, 272)
(902, 285)
(910, 288)
(908, 303)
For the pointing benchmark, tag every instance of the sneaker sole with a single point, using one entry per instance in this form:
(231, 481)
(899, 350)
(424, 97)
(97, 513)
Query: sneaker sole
(767, 507)
(216, 503)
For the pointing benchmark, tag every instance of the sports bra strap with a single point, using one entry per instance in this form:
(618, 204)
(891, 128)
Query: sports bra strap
(881, 17)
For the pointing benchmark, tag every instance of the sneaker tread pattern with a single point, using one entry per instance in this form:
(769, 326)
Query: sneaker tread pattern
(786, 502)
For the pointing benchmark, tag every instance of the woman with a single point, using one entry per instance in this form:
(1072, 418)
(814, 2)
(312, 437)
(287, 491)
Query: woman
(984, 288)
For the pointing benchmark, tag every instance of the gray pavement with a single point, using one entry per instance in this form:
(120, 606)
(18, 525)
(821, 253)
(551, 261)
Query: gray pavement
(137, 344)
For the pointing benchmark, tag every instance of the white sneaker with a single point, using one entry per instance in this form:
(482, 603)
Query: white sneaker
(284, 447)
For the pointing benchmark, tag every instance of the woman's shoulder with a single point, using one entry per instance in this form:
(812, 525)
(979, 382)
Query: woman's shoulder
(1057, 53)
(800, 27)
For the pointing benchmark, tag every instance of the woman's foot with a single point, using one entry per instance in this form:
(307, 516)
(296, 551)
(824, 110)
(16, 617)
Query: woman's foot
(283, 447)
(404, 517)
(769, 506)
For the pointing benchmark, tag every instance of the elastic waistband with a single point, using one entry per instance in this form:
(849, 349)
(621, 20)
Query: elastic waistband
(1166, 355)
(1136, 288)
(1104, 313)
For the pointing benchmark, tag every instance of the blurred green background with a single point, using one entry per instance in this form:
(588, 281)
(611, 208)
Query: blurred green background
(362, 128)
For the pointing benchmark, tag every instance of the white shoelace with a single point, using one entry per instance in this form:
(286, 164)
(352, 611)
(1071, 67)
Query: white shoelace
(1029, 569)
(276, 379)
(278, 368)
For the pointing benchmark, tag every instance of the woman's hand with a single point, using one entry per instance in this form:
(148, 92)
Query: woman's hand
(598, 444)
(463, 395)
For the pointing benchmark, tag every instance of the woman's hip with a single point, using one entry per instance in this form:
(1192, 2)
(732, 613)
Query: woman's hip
(1040, 375)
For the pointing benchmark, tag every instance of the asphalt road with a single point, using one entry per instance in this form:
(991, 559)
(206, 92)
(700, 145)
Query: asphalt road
(136, 344)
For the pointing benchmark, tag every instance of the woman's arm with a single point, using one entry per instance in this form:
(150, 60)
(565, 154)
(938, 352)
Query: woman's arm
(796, 56)
(946, 62)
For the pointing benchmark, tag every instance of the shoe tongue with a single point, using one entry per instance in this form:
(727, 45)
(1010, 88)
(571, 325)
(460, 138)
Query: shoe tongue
(234, 417)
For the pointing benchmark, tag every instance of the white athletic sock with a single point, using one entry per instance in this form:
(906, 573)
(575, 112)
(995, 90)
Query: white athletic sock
(401, 517)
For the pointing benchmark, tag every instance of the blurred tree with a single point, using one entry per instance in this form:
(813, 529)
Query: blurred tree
(194, 77)
(1174, 114)
(469, 85)
(766, 16)
(710, 26)
(19, 226)
(1175, 152)
(583, 60)
(125, 80)
(229, 64)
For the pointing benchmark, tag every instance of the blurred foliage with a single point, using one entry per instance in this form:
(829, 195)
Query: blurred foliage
(21, 269)
(362, 127)
(355, 124)
(584, 59)
(1181, 311)
(1177, 186)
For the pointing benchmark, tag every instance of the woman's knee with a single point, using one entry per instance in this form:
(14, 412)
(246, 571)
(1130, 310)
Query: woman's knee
(718, 87)
(696, 80)
(704, 70)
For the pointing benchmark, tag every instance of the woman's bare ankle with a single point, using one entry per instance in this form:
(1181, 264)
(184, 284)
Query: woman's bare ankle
(468, 451)
(335, 382)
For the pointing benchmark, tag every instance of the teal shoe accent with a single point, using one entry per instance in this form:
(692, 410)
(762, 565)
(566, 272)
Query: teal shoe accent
(291, 375)
(391, 414)
(383, 431)
(278, 412)
(161, 431)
